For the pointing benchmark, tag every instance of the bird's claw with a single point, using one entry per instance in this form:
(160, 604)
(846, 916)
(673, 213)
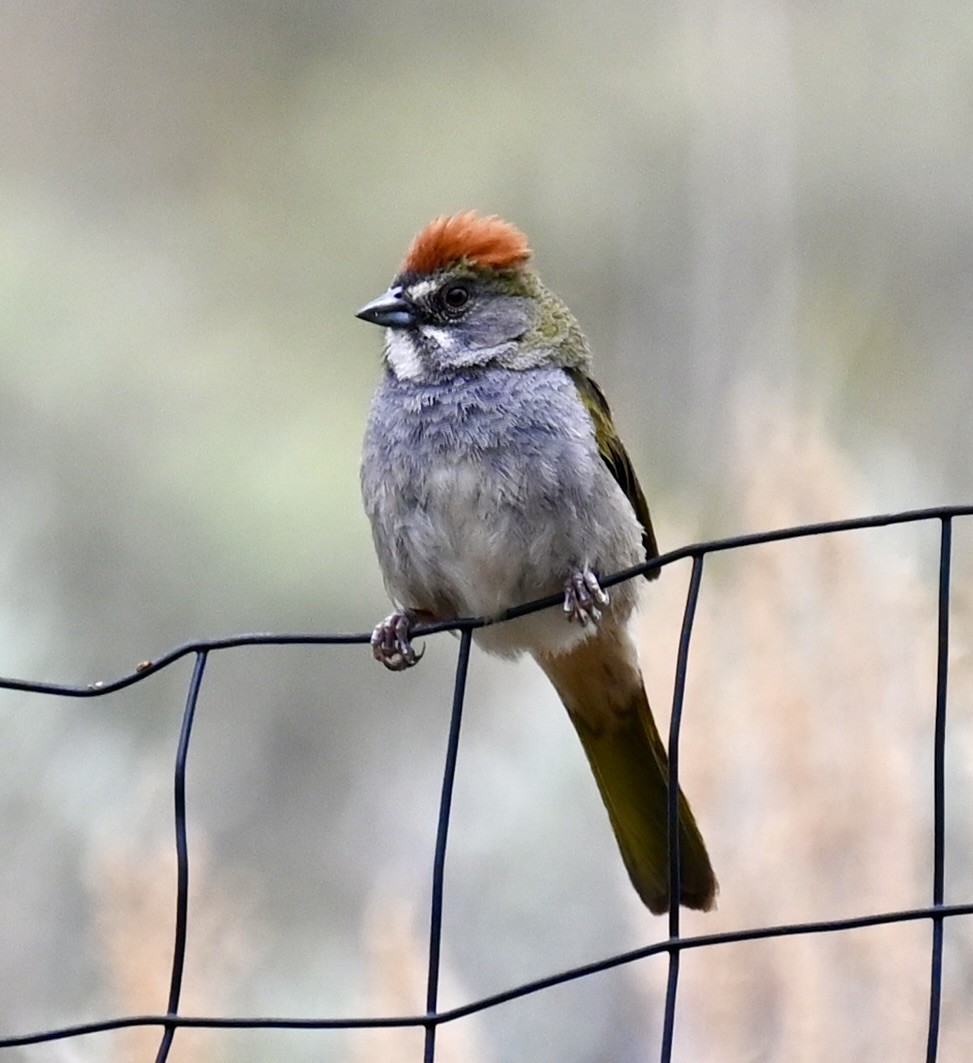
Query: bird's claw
(583, 598)
(392, 643)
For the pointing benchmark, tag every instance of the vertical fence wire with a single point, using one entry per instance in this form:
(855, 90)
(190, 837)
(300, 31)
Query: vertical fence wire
(182, 856)
(675, 724)
(939, 790)
(433, 1017)
(439, 859)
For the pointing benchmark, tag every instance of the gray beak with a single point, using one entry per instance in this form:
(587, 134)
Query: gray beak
(392, 310)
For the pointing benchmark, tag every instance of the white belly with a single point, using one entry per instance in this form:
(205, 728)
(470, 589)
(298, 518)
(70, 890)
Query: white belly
(479, 546)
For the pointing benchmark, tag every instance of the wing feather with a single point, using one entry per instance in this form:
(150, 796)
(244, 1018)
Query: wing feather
(615, 456)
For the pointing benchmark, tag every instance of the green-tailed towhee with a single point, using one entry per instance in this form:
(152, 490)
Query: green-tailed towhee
(493, 475)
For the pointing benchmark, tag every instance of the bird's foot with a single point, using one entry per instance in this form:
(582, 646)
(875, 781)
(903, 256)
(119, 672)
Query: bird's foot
(392, 642)
(583, 598)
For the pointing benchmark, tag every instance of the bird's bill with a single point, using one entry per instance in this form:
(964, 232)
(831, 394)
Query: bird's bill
(392, 310)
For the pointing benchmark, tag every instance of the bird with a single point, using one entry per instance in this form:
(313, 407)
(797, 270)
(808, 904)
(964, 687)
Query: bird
(493, 475)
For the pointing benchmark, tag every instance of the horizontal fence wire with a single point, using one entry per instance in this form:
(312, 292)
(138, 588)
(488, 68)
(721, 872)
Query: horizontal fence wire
(936, 913)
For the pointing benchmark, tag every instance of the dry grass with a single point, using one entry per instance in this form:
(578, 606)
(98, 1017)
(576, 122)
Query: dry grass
(397, 958)
(807, 752)
(134, 894)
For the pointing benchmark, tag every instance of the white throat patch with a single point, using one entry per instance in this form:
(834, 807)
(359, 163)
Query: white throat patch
(403, 358)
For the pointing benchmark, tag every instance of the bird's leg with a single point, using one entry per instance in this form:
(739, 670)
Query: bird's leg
(392, 642)
(583, 597)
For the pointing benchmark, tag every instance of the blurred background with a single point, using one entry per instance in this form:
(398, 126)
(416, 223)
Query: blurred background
(762, 214)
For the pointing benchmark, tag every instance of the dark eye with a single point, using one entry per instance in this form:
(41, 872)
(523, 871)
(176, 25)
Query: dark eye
(456, 296)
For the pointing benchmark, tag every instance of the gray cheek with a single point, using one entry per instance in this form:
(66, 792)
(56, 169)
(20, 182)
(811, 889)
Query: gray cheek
(499, 321)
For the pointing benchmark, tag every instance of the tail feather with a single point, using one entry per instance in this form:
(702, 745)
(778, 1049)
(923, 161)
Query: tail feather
(601, 687)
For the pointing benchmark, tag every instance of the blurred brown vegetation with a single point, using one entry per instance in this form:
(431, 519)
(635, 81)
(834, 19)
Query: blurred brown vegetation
(134, 912)
(762, 214)
(811, 700)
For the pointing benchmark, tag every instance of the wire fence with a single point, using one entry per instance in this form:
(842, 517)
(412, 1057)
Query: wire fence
(936, 912)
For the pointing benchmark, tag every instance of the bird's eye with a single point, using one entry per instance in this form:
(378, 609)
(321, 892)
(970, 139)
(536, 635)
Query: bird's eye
(456, 296)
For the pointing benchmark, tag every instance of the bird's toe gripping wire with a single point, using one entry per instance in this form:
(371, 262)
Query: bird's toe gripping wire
(392, 642)
(584, 598)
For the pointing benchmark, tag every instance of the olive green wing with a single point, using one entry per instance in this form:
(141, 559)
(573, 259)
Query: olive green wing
(615, 457)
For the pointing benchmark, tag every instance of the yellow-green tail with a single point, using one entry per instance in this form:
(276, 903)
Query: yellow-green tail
(601, 687)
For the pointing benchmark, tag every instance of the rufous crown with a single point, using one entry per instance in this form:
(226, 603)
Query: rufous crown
(489, 242)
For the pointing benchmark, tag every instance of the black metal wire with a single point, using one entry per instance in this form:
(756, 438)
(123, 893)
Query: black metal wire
(937, 913)
(672, 811)
(526, 989)
(182, 856)
(939, 789)
(439, 860)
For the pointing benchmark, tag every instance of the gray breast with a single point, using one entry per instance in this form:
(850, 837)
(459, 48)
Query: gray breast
(489, 491)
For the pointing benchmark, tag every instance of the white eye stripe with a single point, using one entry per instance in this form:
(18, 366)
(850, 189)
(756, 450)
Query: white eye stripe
(421, 289)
